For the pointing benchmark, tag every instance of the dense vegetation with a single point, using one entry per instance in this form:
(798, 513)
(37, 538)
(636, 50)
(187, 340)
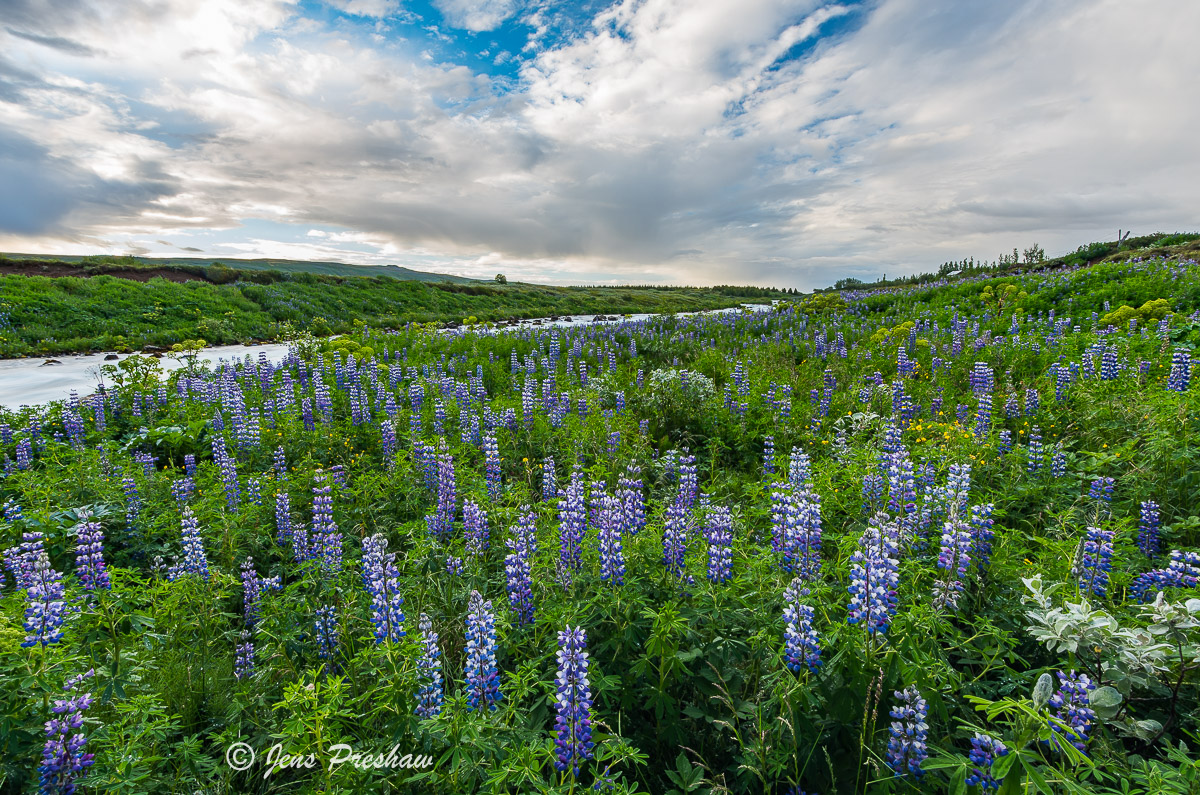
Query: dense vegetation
(45, 315)
(929, 539)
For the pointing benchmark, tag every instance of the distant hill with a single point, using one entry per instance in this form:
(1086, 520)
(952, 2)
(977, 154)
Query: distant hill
(285, 265)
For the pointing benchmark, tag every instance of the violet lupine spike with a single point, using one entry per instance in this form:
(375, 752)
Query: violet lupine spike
(549, 482)
(326, 539)
(518, 566)
(612, 555)
(907, 747)
(63, 757)
(20, 559)
(633, 503)
(984, 752)
(1148, 529)
(1070, 705)
(1182, 572)
(243, 664)
(675, 540)
(482, 678)
(1093, 561)
(982, 534)
(475, 528)
(327, 633)
(718, 532)
(573, 702)
(381, 580)
(573, 522)
(875, 575)
(801, 647)
(47, 607)
(953, 561)
(89, 557)
(429, 670)
(491, 451)
(194, 560)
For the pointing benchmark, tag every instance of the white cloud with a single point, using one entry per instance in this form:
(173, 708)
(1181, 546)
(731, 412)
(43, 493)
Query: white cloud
(476, 15)
(671, 141)
(367, 8)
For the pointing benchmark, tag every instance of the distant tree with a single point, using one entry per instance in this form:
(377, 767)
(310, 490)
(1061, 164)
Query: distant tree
(849, 281)
(500, 279)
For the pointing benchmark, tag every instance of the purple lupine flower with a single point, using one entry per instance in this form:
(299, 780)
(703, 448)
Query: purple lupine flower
(189, 465)
(1148, 529)
(875, 575)
(1034, 451)
(518, 566)
(63, 757)
(482, 678)
(429, 670)
(984, 752)
(633, 503)
(194, 560)
(89, 557)
(1004, 443)
(454, 565)
(954, 560)
(447, 499)
(380, 578)
(133, 504)
(1182, 572)
(907, 735)
(1058, 463)
(768, 456)
(573, 701)
(801, 648)
(1181, 371)
(326, 539)
(718, 532)
(280, 464)
(1093, 561)
(689, 488)
(675, 539)
(243, 664)
(796, 519)
(872, 492)
(549, 484)
(491, 452)
(229, 474)
(21, 559)
(326, 628)
(982, 534)
(283, 518)
(572, 514)
(612, 556)
(181, 490)
(475, 528)
(1101, 491)
(47, 607)
(1070, 705)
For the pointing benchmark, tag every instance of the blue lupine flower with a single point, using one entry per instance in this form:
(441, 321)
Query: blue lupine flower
(89, 557)
(63, 757)
(475, 528)
(194, 560)
(801, 648)
(573, 701)
(283, 519)
(981, 535)
(572, 514)
(675, 539)
(984, 752)
(1181, 371)
(1101, 491)
(954, 560)
(875, 575)
(483, 681)
(1034, 451)
(1093, 561)
(1148, 529)
(243, 663)
(491, 452)
(907, 742)
(429, 671)
(1070, 705)
(718, 532)
(47, 607)
(549, 484)
(612, 555)
(381, 577)
(327, 632)
(1182, 572)
(518, 566)
(326, 539)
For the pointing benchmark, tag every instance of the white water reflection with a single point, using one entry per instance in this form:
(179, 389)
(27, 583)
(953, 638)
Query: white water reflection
(31, 381)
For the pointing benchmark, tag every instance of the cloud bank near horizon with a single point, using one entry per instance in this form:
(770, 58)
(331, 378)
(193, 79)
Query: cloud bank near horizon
(786, 142)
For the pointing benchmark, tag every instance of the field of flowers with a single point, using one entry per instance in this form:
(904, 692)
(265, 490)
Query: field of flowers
(941, 538)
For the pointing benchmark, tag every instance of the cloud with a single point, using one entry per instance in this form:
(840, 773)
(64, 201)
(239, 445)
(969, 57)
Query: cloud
(769, 141)
(476, 15)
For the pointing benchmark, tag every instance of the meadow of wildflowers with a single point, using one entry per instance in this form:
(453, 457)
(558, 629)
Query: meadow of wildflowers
(936, 538)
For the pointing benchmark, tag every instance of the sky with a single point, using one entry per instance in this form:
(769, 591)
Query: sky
(772, 142)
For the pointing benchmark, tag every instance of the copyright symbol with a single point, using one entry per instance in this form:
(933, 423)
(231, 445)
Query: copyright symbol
(239, 756)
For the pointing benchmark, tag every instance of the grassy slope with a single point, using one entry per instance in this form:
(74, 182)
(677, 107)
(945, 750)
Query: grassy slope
(42, 315)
